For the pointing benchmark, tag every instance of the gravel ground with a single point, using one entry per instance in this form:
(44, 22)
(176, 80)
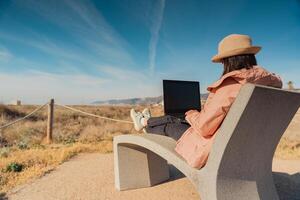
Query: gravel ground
(90, 176)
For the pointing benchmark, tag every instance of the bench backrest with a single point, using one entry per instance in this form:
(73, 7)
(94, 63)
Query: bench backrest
(248, 137)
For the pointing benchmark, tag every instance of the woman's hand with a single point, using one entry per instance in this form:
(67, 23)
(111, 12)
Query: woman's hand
(190, 112)
(188, 115)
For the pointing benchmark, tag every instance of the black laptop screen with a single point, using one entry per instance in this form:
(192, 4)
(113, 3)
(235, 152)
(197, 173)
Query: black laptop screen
(181, 96)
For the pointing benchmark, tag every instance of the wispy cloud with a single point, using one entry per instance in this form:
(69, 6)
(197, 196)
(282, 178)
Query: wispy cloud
(155, 29)
(123, 74)
(86, 24)
(94, 40)
(91, 45)
(5, 55)
(130, 83)
(37, 87)
(46, 45)
(98, 34)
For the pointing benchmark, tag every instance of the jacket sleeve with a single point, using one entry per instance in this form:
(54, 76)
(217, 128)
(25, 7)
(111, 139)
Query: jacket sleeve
(210, 118)
(276, 80)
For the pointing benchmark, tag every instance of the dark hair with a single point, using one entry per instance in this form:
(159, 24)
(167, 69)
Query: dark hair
(238, 62)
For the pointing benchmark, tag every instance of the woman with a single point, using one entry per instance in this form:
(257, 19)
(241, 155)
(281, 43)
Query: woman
(194, 138)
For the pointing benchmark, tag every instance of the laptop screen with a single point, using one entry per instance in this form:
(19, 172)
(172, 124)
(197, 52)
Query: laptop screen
(181, 96)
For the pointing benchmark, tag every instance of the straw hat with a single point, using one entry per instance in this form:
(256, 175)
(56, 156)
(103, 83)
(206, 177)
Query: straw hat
(233, 45)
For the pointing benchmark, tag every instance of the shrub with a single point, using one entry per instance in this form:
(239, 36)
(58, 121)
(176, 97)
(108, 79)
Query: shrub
(25, 133)
(69, 139)
(91, 133)
(3, 141)
(4, 110)
(22, 145)
(4, 152)
(38, 146)
(14, 167)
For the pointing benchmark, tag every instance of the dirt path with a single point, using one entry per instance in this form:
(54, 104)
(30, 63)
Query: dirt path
(90, 176)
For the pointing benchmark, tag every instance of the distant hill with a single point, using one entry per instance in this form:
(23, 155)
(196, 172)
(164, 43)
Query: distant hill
(133, 101)
(136, 101)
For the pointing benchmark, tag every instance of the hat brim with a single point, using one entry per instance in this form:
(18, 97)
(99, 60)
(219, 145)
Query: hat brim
(250, 50)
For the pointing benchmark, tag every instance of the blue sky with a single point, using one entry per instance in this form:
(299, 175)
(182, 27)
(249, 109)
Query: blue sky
(83, 50)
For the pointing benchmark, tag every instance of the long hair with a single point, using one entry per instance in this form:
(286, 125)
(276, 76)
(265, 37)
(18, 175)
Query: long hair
(238, 62)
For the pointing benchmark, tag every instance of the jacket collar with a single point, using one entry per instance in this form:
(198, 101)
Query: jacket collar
(234, 74)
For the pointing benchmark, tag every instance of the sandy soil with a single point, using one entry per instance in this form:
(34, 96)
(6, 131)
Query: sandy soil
(90, 176)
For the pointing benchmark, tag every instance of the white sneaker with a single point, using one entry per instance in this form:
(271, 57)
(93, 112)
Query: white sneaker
(136, 118)
(146, 113)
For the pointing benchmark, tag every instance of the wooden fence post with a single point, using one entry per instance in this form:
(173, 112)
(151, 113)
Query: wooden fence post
(50, 121)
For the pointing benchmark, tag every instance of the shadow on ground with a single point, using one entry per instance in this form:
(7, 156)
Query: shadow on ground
(288, 186)
(175, 173)
(3, 196)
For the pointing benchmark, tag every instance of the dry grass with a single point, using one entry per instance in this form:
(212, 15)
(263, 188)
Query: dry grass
(69, 126)
(76, 133)
(288, 149)
(289, 146)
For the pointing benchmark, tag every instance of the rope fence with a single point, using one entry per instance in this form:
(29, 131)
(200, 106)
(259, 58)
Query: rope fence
(23, 118)
(93, 115)
(51, 114)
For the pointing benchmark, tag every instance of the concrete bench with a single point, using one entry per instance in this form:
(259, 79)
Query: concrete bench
(240, 164)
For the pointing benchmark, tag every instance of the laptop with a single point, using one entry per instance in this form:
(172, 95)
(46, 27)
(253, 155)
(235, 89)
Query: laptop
(181, 96)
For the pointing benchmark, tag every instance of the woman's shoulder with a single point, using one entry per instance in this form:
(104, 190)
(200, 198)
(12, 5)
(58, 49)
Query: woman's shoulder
(256, 75)
(225, 79)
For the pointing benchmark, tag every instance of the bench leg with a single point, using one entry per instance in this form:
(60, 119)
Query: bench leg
(137, 167)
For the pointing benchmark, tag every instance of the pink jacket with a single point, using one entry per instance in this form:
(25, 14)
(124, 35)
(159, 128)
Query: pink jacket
(195, 144)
